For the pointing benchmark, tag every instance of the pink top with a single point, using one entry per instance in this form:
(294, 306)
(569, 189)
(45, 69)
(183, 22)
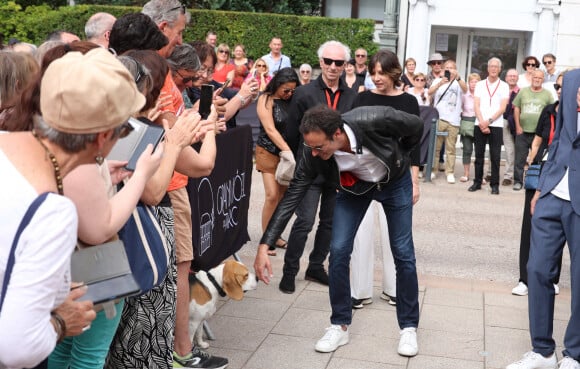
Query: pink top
(468, 105)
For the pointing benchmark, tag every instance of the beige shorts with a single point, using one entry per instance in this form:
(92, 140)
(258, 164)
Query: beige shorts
(182, 225)
(266, 162)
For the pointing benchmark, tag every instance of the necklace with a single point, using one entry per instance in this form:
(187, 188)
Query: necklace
(54, 162)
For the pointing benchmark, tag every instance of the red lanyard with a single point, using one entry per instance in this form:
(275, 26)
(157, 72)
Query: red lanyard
(336, 97)
(489, 92)
(552, 130)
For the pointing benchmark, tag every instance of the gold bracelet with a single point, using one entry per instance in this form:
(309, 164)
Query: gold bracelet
(61, 331)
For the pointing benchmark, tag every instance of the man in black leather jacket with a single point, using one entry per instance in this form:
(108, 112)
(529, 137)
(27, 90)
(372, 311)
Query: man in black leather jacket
(365, 155)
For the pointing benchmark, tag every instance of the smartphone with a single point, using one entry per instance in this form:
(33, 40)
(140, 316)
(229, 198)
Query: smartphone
(226, 84)
(447, 75)
(205, 100)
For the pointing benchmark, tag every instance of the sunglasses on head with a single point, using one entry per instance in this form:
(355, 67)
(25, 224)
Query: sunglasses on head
(181, 6)
(557, 86)
(547, 62)
(187, 79)
(328, 61)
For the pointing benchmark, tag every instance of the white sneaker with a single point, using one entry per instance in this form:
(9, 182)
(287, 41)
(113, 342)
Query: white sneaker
(408, 342)
(391, 300)
(532, 360)
(569, 363)
(556, 289)
(433, 175)
(450, 178)
(332, 339)
(520, 290)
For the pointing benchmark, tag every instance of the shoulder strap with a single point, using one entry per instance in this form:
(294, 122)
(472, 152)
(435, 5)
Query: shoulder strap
(23, 224)
(444, 92)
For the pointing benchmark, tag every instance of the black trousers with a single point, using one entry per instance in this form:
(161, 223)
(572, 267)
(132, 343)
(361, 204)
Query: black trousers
(495, 140)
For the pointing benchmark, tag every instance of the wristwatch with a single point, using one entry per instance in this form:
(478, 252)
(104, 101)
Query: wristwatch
(490, 121)
(458, 78)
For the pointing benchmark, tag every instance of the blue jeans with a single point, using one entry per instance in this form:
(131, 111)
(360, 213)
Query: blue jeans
(305, 217)
(553, 224)
(88, 350)
(396, 199)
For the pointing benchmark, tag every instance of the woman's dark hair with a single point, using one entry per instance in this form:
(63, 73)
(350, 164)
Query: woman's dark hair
(27, 105)
(204, 50)
(389, 65)
(136, 31)
(157, 67)
(528, 58)
(284, 75)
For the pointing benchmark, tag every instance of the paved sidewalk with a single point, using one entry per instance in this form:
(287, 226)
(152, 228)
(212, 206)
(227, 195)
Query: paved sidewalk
(466, 322)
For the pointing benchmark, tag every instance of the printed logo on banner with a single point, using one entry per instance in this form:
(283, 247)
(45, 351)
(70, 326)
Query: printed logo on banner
(227, 197)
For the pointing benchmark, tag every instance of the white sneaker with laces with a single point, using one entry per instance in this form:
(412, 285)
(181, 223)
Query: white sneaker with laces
(556, 289)
(408, 342)
(391, 300)
(332, 339)
(569, 363)
(433, 176)
(520, 290)
(532, 360)
(450, 178)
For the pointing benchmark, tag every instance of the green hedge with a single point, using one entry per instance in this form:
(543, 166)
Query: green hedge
(301, 34)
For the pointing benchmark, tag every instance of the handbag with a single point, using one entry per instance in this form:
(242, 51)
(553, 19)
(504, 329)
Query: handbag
(467, 126)
(11, 255)
(146, 247)
(532, 176)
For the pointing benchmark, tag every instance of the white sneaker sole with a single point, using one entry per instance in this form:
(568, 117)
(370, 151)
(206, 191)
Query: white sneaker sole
(342, 342)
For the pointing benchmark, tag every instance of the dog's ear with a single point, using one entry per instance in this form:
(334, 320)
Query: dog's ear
(233, 277)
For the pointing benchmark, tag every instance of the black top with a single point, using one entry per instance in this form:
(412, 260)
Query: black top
(404, 102)
(543, 129)
(279, 114)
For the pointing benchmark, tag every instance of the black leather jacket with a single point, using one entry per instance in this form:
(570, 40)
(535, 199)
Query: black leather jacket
(388, 133)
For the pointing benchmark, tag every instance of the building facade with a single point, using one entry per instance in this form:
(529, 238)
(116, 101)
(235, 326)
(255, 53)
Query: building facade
(472, 31)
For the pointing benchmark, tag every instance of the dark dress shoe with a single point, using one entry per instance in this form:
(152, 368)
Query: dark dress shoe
(317, 275)
(494, 190)
(287, 284)
(474, 187)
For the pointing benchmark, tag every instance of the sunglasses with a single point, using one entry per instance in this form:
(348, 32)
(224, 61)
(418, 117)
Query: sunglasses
(360, 55)
(531, 65)
(547, 62)
(304, 71)
(288, 90)
(557, 86)
(328, 61)
(187, 79)
(420, 79)
(437, 62)
(223, 51)
(260, 65)
(181, 6)
(126, 128)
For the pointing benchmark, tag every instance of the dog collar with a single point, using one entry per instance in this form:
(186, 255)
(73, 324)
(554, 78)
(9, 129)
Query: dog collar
(216, 285)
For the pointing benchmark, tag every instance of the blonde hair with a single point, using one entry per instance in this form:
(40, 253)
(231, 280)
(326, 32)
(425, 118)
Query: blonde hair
(475, 76)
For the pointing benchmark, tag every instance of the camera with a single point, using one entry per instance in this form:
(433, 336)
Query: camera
(447, 75)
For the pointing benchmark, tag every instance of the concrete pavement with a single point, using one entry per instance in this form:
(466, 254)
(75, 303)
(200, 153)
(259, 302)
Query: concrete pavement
(466, 245)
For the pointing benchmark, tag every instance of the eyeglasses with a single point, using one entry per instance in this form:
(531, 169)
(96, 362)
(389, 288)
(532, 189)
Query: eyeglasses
(205, 70)
(547, 62)
(181, 6)
(260, 65)
(126, 128)
(360, 55)
(288, 90)
(314, 148)
(304, 71)
(187, 79)
(420, 79)
(223, 51)
(531, 65)
(557, 86)
(328, 61)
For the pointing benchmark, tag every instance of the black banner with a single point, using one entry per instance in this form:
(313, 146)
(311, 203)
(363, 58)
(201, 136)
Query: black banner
(220, 201)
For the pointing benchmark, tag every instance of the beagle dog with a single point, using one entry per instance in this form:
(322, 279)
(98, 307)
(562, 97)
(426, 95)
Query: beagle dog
(231, 278)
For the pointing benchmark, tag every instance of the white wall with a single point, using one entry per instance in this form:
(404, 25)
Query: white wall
(568, 37)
